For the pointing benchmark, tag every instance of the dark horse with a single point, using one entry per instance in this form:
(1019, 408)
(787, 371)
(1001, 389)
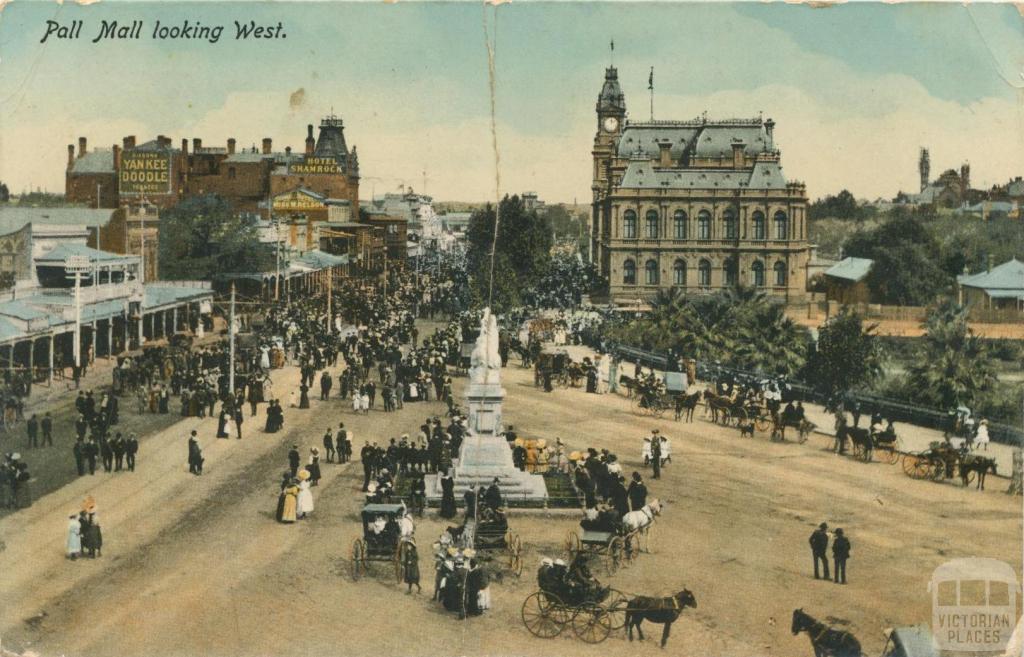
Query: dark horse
(825, 641)
(685, 405)
(858, 438)
(979, 464)
(657, 610)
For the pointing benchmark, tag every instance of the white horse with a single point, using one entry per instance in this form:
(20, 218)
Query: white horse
(641, 521)
(406, 528)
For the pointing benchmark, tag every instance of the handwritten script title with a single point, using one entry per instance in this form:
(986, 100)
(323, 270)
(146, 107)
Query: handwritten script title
(186, 30)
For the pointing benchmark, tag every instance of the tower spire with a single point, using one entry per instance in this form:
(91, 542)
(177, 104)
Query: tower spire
(611, 58)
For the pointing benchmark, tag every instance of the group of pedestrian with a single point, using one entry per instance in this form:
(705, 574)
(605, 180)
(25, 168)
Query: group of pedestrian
(84, 535)
(840, 552)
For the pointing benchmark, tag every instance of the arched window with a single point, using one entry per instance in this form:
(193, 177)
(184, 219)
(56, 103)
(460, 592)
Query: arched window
(703, 225)
(629, 273)
(780, 274)
(759, 227)
(704, 274)
(679, 273)
(781, 226)
(651, 225)
(651, 272)
(729, 220)
(757, 272)
(629, 225)
(679, 224)
(729, 272)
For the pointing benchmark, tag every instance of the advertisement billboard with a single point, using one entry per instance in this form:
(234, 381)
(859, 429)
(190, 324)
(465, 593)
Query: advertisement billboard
(315, 165)
(145, 173)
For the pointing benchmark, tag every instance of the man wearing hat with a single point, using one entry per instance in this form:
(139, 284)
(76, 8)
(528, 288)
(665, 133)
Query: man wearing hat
(656, 454)
(819, 546)
(293, 459)
(840, 553)
(637, 492)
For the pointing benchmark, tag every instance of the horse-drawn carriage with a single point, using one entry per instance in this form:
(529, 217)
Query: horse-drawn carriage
(563, 370)
(650, 395)
(563, 600)
(944, 461)
(387, 536)
(615, 542)
(491, 536)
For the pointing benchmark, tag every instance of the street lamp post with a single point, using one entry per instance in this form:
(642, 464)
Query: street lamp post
(76, 267)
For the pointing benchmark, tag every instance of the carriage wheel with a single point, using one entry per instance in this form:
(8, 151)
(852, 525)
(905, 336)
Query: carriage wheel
(938, 467)
(894, 455)
(592, 623)
(910, 462)
(616, 606)
(616, 554)
(762, 423)
(541, 615)
(572, 543)
(358, 559)
(630, 547)
(923, 469)
(400, 561)
(658, 408)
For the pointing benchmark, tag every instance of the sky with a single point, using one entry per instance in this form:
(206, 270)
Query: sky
(855, 89)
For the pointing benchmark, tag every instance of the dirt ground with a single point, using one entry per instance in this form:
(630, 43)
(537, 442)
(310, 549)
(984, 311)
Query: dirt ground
(198, 566)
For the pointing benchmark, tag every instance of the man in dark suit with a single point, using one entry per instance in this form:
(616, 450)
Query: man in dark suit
(33, 431)
(79, 452)
(131, 448)
(840, 553)
(366, 455)
(325, 385)
(819, 547)
(293, 459)
(637, 492)
(47, 426)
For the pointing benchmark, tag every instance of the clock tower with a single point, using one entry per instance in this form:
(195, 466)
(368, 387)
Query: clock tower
(611, 117)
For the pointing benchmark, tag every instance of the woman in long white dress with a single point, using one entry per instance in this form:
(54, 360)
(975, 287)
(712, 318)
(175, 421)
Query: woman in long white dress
(74, 543)
(305, 501)
(982, 438)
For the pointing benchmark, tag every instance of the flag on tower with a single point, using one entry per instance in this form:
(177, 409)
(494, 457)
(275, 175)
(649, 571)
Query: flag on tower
(613, 45)
(650, 80)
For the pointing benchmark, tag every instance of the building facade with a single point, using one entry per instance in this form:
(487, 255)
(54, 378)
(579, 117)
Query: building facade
(700, 205)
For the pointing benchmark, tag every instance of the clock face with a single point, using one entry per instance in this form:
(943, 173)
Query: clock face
(611, 123)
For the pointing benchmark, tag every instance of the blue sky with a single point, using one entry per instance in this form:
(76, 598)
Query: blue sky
(855, 89)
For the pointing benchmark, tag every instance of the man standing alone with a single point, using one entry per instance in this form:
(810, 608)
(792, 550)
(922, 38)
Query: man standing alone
(47, 426)
(819, 546)
(840, 553)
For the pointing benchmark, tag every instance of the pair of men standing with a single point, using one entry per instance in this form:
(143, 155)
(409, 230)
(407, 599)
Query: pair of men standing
(840, 552)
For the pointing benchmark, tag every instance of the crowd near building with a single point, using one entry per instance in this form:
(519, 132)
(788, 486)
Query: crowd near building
(700, 205)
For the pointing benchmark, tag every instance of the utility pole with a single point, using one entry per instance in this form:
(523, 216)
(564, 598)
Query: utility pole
(77, 266)
(98, 248)
(330, 293)
(142, 241)
(231, 343)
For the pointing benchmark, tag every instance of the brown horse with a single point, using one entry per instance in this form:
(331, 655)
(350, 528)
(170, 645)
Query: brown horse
(978, 464)
(657, 610)
(826, 641)
(685, 405)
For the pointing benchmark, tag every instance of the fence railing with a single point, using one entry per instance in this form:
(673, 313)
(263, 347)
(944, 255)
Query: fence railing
(898, 411)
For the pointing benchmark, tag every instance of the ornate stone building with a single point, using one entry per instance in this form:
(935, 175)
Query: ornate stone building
(701, 205)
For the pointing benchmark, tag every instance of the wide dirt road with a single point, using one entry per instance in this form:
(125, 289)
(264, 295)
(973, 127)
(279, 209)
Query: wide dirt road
(198, 566)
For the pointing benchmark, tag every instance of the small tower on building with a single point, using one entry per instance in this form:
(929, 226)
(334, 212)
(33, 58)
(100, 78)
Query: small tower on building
(924, 167)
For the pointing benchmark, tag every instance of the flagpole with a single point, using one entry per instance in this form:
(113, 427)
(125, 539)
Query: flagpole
(650, 86)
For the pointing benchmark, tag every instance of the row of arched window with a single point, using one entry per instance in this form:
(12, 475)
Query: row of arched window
(652, 275)
(680, 225)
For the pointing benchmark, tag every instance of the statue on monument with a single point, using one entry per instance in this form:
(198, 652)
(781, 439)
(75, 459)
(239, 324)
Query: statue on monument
(484, 362)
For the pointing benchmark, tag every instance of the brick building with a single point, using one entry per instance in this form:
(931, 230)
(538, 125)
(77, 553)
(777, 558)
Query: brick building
(701, 205)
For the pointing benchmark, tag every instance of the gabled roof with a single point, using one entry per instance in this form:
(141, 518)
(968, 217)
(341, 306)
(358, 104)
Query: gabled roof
(95, 161)
(61, 252)
(14, 217)
(302, 190)
(850, 269)
(1008, 276)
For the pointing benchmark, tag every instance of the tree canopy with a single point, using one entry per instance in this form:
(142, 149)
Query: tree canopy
(521, 256)
(841, 206)
(203, 236)
(846, 355)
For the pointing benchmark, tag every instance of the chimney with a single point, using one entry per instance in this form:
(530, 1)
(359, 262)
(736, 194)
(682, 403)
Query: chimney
(267, 145)
(665, 153)
(197, 143)
(769, 128)
(738, 160)
(310, 143)
(71, 155)
(128, 142)
(184, 146)
(81, 146)
(287, 150)
(231, 146)
(160, 139)
(990, 260)
(117, 157)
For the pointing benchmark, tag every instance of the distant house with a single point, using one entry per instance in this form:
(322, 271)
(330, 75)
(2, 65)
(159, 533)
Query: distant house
(998, 287)
(846, 282)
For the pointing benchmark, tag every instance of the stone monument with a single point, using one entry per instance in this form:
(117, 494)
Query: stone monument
(484, 453)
